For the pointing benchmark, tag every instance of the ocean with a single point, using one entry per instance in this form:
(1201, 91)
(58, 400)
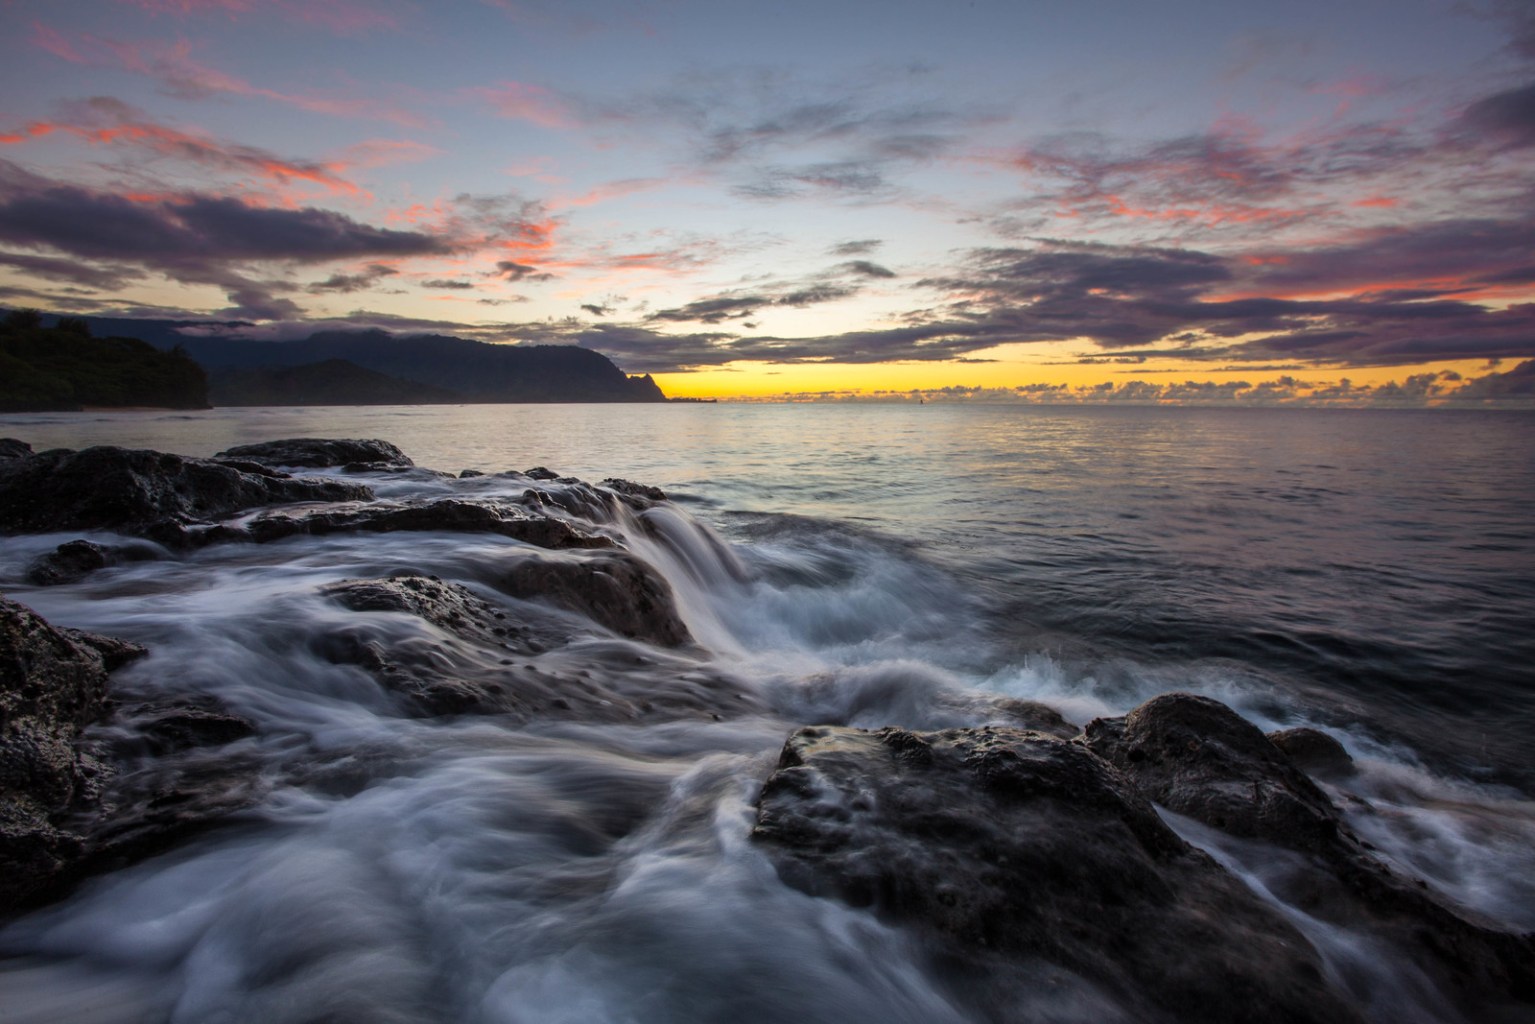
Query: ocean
(1370, 573)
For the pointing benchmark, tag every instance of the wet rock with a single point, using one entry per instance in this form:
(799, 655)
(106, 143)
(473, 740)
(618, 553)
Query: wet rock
(152, 494)
(158, 727)
(70, 562)
(1008, 849)
(541, 473)
(314, 452)
(614, 589)
(1036, 717)
(469, 474)
(1198, 758)
(71, 806)
(454, 515)
(637, 496)
(488, 658)
(51, 686)
(10, 448)
(160, 802)
(1314, 752)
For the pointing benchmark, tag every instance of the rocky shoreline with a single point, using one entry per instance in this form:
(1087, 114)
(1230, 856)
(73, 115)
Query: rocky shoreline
(1114, 861)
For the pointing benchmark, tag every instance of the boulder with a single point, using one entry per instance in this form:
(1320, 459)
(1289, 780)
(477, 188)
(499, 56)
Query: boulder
(1196, 756)
(1009, 849)
(10, 448)
(315, 452)
(613, 589)
(1199, 758)
(1314, 752)
(153, 494)
(70, 562)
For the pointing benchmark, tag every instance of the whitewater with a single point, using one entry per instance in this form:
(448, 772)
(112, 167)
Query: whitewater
(1368, 574)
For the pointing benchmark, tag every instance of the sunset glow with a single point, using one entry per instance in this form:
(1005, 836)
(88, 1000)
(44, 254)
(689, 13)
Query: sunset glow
(993, 202)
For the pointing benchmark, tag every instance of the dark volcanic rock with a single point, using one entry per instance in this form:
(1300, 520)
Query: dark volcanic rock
(508, 519)
(51, 686)
(10, 448)
(158, 727)
(69, 808)
(70, 562)
(315, 452)
(1199, 758)
(1009, 848)
(636, 496)
(1314, 752)
(142, 492)
(506, 659)
(1196, 756)
(614, 589)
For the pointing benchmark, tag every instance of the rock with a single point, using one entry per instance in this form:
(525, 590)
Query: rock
(507, 659)
(69, 807)
(1314, 752)
(469, 474)
(147, 493)
(1008, 849)
(637, 496)
(314, 452)
(541, 473)
(10, 448)
(456, 515)
(1199, 758)
(613, 589)
(1196, 756)
(51, 686)
(157, 727)
(70, 562)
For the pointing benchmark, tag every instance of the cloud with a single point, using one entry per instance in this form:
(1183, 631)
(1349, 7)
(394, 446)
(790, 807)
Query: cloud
(863, 268)
(525, 102)
(370, 276)
(106, 278)
(596, 310)
(1508, 118)
(103, 120)
(860, 247)
(512, 272)
(713, 311)
(448, 283)
(341, 16)
(183, 77)
(192, 237)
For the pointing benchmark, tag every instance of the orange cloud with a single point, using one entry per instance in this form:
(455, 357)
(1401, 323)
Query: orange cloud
(35, 130)
(1384, 202)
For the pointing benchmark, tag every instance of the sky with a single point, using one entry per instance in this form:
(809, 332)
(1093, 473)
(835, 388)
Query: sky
(1186, 200)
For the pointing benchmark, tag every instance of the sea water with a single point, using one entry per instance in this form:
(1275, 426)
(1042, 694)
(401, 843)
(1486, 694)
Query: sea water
(1367, 572)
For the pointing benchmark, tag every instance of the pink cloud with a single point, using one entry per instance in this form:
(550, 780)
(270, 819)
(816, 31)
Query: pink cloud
(610, 190)
(174, 67)
(110, 122)
(527, 103)
(342, 16)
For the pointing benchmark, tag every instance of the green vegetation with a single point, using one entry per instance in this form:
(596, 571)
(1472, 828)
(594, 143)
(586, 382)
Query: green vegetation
(62, 367)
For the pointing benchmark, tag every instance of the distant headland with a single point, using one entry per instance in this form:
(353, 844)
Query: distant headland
(54, 363)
